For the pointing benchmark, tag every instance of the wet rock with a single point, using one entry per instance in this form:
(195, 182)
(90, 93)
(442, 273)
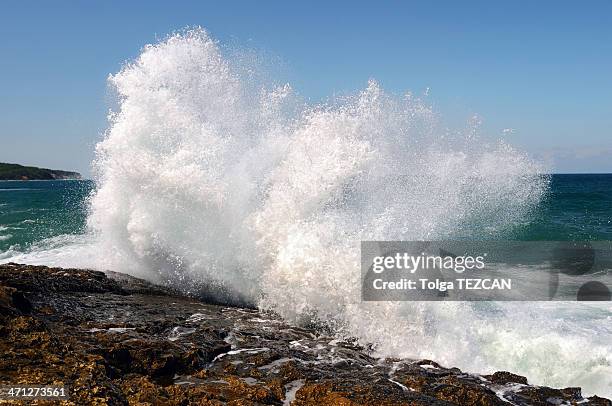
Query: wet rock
(503, 377)
(43, 279)
(13, 302)
(118, 340)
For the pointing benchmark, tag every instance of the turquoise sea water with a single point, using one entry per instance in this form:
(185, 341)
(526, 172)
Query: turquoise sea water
(32, 211)
(577, 207)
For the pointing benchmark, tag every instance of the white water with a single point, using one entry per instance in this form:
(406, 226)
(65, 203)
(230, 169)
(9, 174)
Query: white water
(206, 175)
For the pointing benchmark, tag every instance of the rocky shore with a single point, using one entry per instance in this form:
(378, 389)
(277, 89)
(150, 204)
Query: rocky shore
(117, 340)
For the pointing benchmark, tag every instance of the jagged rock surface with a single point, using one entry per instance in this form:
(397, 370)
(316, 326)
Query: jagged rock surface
(118, 340)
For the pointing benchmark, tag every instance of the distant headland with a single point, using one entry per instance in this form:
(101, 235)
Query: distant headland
(20, 172)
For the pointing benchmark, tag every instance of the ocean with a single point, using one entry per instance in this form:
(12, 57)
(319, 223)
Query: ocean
(211, 176)
(577, 207)
(33, 211)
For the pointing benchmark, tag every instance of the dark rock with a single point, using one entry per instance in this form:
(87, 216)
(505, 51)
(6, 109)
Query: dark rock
(118, 340)
(13, 302)
(41, 279)
(503, 377)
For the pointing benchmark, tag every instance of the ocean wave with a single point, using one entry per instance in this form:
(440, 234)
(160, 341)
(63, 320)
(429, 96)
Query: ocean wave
(207, 177)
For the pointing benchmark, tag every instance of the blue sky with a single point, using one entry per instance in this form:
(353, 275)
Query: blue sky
(542, 68)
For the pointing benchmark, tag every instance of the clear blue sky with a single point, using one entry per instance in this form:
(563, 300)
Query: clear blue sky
(543, 68)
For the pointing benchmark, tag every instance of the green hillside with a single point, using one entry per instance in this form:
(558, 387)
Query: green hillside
(20, 172)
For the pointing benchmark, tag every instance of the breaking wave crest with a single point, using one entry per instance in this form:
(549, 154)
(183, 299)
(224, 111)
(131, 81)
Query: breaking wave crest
(206, 175)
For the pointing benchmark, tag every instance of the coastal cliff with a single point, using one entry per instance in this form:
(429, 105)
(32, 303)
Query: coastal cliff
(117, 340)
(20, 172)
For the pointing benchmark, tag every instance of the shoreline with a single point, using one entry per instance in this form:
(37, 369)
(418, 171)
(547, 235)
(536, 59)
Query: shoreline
(118, 340)
(44, 180)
